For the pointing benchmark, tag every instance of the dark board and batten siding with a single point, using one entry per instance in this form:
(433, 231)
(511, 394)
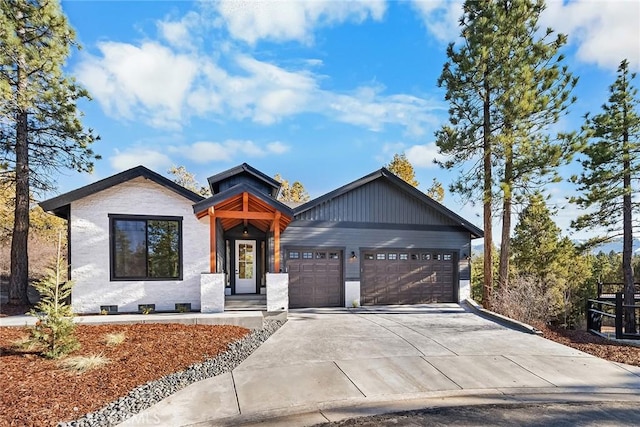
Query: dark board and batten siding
(376, 202)
(243, 179)
(357, 239)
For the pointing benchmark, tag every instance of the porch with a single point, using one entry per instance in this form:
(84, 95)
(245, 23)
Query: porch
(244, 251)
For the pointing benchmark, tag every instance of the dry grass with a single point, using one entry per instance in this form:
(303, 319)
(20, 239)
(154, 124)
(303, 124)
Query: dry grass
(82, 364)
(114, 338)
(24, 343)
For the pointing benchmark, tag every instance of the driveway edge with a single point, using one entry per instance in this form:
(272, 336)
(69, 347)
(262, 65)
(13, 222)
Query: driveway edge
(499, 318)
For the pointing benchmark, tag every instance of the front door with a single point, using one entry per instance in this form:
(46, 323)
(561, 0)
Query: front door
(245, 266)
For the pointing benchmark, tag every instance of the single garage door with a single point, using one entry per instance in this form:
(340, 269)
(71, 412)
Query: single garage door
(315, 277)
(407, 276)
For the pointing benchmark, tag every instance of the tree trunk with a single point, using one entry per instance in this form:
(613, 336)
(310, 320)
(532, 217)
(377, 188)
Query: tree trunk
(487, 286)
(627, 242)
(19, 255)
(505, 243)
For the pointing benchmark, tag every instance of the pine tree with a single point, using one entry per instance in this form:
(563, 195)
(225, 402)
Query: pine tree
(612, 163)
(40, 129)
(542, 253)
(402, 168)
(291, 193)
(55, 330)
(504, 87)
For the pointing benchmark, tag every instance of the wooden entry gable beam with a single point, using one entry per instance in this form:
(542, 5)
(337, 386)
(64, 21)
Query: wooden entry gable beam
(245, 215)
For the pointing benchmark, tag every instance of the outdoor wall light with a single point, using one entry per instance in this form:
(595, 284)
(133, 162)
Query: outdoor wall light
(245, 231)
(353, 255)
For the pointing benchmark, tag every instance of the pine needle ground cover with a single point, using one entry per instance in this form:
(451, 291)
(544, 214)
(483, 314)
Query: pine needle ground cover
(40, 392)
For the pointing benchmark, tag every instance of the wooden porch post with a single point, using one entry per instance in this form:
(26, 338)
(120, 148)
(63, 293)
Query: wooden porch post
(276, 242)
(212, 241)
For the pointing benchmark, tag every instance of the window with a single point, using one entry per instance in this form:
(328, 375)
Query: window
(426, 257)
(368, 256)
(380, 256)
(334, 255)
(146, 247)
(404, 257)
(437, 257)
(307, 255)
(294, 255)
(414, 257)
(393, 256)
(447, 257)
(321, 255)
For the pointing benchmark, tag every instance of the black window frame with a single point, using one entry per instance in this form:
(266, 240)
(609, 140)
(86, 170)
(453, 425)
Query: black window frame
(146, 218)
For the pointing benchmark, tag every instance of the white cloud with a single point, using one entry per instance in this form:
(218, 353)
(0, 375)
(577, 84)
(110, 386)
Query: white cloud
(367, 107)
(131, 82)
(284, 20)
(422, 156)
(147, 157)
(440, 17)
(209, 151)
(605, 32)
(163, 87)
(277, 147)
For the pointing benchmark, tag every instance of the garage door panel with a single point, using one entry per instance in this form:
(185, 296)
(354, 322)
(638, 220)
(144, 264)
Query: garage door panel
(408, 277)
(315, 278)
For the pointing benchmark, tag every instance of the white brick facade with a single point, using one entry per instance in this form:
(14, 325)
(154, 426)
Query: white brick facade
(90, 249)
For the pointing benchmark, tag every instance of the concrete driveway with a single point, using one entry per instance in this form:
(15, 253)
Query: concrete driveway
(334, 364)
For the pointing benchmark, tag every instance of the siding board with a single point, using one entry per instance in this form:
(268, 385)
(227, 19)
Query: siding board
(377, 201)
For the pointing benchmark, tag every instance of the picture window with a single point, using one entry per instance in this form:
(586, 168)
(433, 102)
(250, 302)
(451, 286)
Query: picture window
(146, 248)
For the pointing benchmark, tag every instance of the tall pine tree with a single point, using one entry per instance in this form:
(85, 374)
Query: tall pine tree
(611, 165)
(505, 86)
(40, 128)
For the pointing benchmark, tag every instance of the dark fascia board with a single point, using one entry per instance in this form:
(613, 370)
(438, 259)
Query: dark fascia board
(240, 169)
(384, 173)
(239, 189)
(56, 204)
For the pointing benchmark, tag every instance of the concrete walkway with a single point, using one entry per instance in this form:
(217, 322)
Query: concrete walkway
(328, 365)
(247, 319)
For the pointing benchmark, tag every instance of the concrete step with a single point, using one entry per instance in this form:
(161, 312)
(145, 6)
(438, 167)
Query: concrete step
(245, 302)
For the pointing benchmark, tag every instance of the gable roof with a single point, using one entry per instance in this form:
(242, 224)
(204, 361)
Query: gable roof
(391, 178)
(243, 169)
(203, 205)
(58, 204)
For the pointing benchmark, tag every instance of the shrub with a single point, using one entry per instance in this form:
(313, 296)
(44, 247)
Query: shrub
(527, 299)
(55, 329)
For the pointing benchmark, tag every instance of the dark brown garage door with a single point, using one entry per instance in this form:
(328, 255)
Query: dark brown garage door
(315, 277)
(410, 276)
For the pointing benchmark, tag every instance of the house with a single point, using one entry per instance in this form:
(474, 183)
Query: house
(138, 239)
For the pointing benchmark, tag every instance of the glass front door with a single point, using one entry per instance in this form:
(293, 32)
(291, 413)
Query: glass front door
(245, 266)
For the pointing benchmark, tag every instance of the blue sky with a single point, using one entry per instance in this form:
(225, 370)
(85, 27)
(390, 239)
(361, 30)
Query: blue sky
(322, 92)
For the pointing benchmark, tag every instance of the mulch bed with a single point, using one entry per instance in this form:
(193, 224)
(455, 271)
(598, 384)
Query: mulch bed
(593, 344)
(37, 392)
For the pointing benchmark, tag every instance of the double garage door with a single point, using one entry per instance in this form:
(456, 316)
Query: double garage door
(393, 276)
(407, 276)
